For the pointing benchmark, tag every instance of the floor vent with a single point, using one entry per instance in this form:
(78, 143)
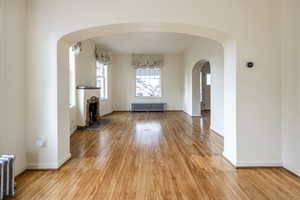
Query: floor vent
(7, 176)
(148, 107)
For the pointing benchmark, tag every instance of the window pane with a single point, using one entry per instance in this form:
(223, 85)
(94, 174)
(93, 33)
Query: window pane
(148, 82)
(105, 82)
(101, 80)
(208, 79)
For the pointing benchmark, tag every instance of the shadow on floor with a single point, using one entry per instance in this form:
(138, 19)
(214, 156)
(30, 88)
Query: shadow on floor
(96, 125)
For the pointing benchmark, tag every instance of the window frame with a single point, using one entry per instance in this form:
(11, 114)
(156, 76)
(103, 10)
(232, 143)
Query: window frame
(72, 72)
(160, 83)
(105, 82)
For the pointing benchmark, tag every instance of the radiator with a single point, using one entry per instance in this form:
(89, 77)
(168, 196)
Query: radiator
(148, 107)
(7, 176)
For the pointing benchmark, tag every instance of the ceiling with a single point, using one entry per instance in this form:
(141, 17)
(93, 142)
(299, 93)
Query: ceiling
(147, 43)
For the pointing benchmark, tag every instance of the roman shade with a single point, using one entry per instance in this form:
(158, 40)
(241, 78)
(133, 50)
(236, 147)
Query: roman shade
(147, 61)
(103, 55)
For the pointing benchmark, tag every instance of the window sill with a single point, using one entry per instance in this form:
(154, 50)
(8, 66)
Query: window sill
(148, 97)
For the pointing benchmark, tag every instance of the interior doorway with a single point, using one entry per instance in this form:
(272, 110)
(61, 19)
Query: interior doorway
(201, 89)
(205, 88)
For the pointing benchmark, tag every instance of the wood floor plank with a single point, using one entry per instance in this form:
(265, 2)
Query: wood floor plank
(153, 156)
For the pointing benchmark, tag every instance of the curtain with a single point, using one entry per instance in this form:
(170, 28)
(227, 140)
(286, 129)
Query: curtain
(103, 55)
(147, 61)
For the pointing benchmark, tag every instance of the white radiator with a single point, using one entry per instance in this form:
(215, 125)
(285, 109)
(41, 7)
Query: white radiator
(7, 176)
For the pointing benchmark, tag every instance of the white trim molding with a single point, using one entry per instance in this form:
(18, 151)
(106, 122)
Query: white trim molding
(217, 132)
(229, 159)
(258, 164)
(244, 164)
(64, 160)
(20, 171)
(292, 170)
(49, 166)
(73, 130)
(45, 166)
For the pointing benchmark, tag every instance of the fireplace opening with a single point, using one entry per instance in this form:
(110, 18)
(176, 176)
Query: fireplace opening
(93, 108)
(92, 114)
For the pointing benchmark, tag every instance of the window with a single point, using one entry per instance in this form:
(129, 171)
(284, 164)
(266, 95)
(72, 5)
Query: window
(201, 88)
(208, 79)
(148, 82)
(72, 75)
(101, 80)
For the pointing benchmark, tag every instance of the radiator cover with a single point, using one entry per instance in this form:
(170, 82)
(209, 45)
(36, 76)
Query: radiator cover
(148, 107)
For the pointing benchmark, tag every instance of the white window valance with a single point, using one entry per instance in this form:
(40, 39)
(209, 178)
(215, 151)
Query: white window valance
(103, 55)
(146, 61)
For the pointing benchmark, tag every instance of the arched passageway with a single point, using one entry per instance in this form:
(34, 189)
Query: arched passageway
(222, 38)
(200, 87)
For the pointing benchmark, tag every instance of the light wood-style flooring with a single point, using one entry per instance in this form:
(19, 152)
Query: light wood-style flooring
(153, 156)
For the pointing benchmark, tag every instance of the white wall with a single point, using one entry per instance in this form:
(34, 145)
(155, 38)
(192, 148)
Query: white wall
(291, 86)
(254, 100)
(12, 57)
(214, 53)
(124, 83)
(255, 103)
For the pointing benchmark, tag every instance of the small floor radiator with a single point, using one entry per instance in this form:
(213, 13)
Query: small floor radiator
(148, 107)
(7, 176)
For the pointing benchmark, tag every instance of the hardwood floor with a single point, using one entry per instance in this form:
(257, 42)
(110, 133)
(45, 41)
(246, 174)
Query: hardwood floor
(153, 156)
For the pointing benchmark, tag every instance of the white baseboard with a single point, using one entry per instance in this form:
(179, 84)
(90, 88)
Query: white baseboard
(20, 171)
(34, 166)
(195, 115)
(73, 130)
(259, 164)
(293, 170)
(50, 166)
(217, 132)
(229, 159)
(244, 164)
(107, 113)
(191, 115)
(61, 162)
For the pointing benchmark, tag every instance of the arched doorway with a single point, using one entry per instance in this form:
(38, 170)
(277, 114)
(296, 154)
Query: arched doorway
(222, 38)
(200, 87)
(205, 90)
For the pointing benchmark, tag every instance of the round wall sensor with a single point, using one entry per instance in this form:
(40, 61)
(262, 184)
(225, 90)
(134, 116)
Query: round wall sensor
(250, 64)
(40, 143)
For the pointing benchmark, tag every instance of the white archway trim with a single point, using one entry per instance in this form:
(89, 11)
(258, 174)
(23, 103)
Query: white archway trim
(188, 29)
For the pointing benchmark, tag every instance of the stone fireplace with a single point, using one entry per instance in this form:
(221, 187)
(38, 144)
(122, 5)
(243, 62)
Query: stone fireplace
(88, 105)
